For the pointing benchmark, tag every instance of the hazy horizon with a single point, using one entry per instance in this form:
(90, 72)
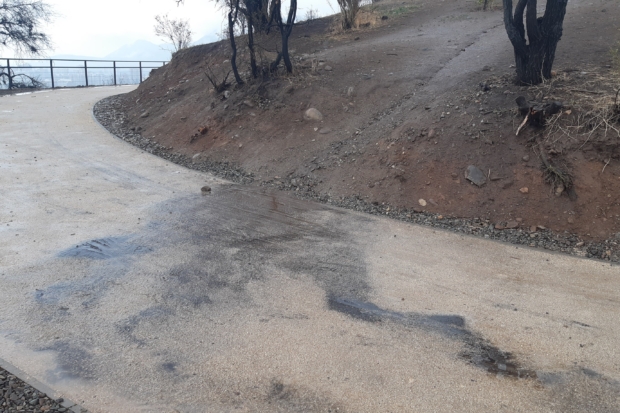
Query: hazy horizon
(85, 29)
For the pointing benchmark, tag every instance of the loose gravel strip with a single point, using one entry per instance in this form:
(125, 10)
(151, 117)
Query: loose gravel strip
(109, 112)
(17, 396)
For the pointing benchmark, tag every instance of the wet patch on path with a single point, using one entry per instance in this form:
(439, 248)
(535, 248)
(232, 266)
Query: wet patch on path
(73, 362)
(101, 264)
(104, 248)
(477, 351)
(294, 398)
(198, 263)
(198, 257)
(578, 390)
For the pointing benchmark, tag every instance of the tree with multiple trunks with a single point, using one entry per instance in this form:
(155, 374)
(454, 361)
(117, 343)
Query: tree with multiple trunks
(261, 16)
(533, 38)
(285, 28)
(534, 42)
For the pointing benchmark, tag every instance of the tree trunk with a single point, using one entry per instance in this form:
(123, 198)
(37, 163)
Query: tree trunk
(285, 54)
(285, 31)
(274, 65)
(253, 65)
(233, 44)
(535, 54)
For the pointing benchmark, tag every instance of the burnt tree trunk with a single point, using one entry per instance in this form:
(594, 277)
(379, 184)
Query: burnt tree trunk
(232, 18)
(286, 29)
(253, 66)
(534, 42)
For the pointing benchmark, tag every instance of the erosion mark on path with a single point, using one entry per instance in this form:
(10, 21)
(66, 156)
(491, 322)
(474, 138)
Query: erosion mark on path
(104, 248)
(102, 261)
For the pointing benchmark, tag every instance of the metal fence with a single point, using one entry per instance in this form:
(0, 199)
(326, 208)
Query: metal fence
(53, 73)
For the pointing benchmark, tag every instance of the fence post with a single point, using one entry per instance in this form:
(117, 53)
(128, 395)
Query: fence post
(114, 64)
(52, 72)
(140, 64)
(8, 68)
(86, 72)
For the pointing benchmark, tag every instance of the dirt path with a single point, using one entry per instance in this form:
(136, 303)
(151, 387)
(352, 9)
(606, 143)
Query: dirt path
(126, 289)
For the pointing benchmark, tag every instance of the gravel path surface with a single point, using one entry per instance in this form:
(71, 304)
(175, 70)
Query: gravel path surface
(109, 112)
(18, 396)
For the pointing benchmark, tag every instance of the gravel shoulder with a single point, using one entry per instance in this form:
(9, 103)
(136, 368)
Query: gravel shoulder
(19, 396)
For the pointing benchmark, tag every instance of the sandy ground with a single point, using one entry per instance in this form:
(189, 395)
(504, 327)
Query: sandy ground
(126, 289)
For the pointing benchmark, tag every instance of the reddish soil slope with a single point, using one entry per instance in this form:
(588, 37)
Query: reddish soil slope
(405, 114)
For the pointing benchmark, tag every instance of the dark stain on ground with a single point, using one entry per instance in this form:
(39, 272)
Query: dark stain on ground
(581, 324)
(104, 248)
(169, 367)
(478, 351)
(103, 261)
(582, 390)
(239, 236)
(288, 398)
(232, 240)
(127, 327)
(82, 293)
(72, 361)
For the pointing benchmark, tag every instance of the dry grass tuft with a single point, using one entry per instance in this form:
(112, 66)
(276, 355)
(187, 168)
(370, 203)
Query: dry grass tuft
(557, 177)
(591, 106)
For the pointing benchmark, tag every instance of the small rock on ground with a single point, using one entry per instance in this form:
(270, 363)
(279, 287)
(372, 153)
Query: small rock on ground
(475, 175)
(313, 114)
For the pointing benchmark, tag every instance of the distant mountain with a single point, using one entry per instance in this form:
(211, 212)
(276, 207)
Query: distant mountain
(73, 57)
(142, 50)
(206, 39)
(139, 50)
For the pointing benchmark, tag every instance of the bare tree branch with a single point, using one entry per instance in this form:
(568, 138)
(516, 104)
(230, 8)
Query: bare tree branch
(18, 80)
(20, 22)
(175, 31)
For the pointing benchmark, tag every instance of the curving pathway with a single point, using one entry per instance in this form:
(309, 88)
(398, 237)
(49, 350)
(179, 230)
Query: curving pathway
(125, 289)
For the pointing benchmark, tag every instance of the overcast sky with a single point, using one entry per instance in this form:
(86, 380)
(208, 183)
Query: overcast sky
(96, 28)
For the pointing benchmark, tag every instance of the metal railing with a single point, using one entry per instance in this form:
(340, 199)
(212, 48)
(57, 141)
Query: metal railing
(47, 75)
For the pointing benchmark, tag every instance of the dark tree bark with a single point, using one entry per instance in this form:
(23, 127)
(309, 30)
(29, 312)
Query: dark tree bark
(253, 66)
(535, 48)
(286, 28)
(260, 14)
(232, 18)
